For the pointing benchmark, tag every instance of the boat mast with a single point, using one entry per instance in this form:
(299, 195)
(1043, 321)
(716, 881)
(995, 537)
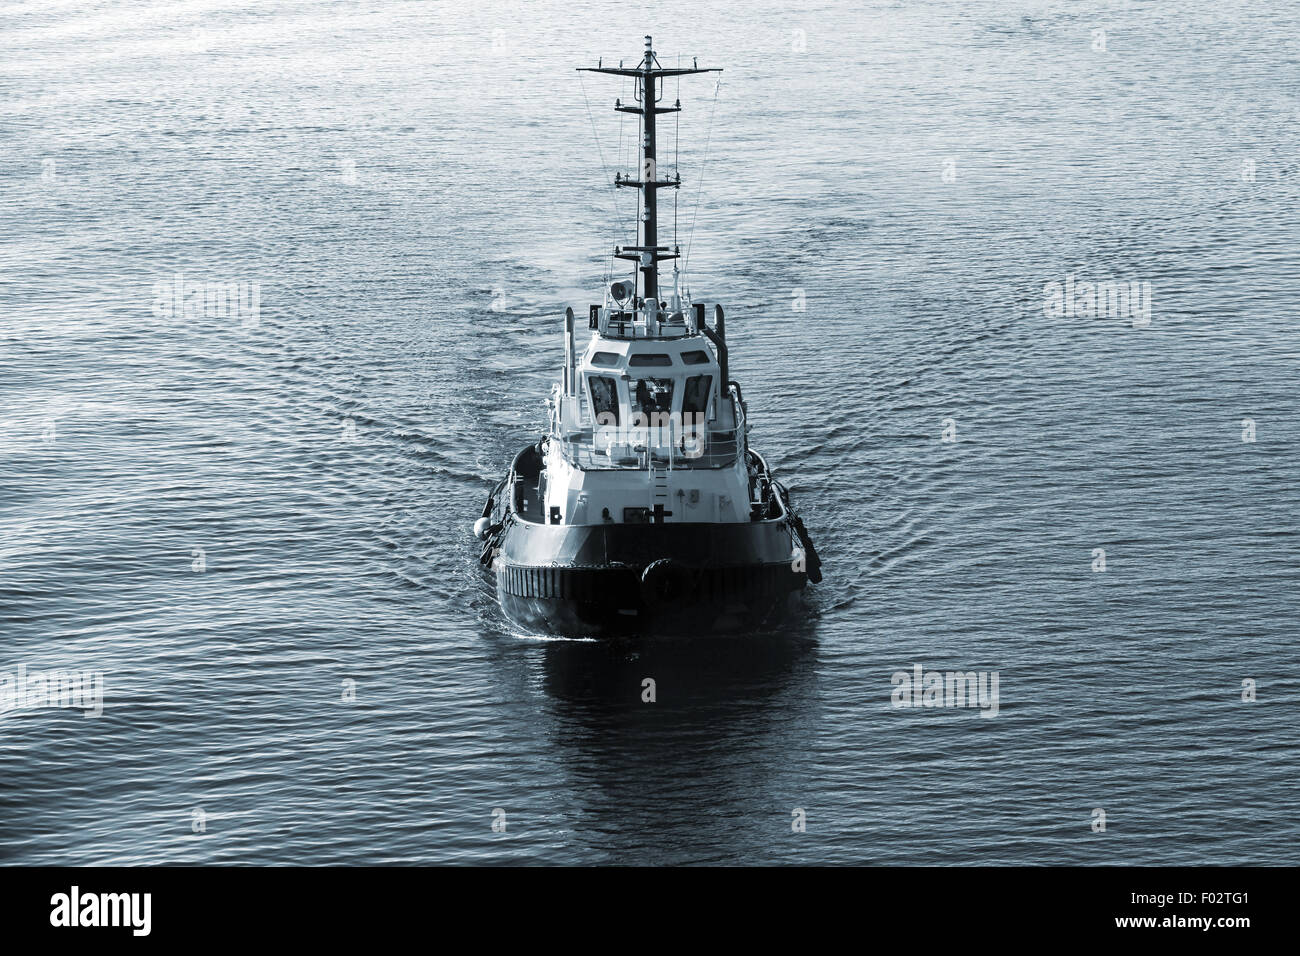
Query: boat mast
(649, 75)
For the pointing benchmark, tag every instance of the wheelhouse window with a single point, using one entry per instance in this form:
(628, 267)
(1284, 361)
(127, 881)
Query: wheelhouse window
(695, 396)
(605, 359)
(698, 357)
(649, 360)
(653, 396)
(604, 399)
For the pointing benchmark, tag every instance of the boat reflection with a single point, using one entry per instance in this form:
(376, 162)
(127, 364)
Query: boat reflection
(714, 751)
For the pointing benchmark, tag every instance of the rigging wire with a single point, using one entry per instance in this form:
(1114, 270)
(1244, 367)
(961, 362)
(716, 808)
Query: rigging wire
(677, 169)
(636, 164)
(690, 236)
(618, 157)
(604, 166)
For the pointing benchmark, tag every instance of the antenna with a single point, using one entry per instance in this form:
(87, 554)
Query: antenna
(649, 76)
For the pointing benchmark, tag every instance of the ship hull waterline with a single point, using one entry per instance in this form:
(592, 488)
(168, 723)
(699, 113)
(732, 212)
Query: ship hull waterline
(622, 579)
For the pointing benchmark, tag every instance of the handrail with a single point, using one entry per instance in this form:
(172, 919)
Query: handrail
(721, 450)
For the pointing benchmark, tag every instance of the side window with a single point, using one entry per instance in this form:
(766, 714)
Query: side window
(695, 398)
(604, 398)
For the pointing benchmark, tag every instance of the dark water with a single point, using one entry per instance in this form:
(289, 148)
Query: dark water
(416, 191)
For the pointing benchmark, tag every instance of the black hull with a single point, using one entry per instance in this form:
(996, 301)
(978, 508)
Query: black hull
(614, 579)
(573, 618)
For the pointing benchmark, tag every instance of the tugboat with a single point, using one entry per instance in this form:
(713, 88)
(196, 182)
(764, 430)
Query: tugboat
(643, 509)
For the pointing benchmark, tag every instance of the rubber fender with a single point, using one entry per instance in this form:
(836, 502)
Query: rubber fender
(666, 581)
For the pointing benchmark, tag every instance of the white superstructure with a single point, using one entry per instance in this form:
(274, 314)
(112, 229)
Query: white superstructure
(642, 426)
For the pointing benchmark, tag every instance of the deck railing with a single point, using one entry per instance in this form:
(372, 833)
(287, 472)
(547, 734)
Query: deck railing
(625, 451)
